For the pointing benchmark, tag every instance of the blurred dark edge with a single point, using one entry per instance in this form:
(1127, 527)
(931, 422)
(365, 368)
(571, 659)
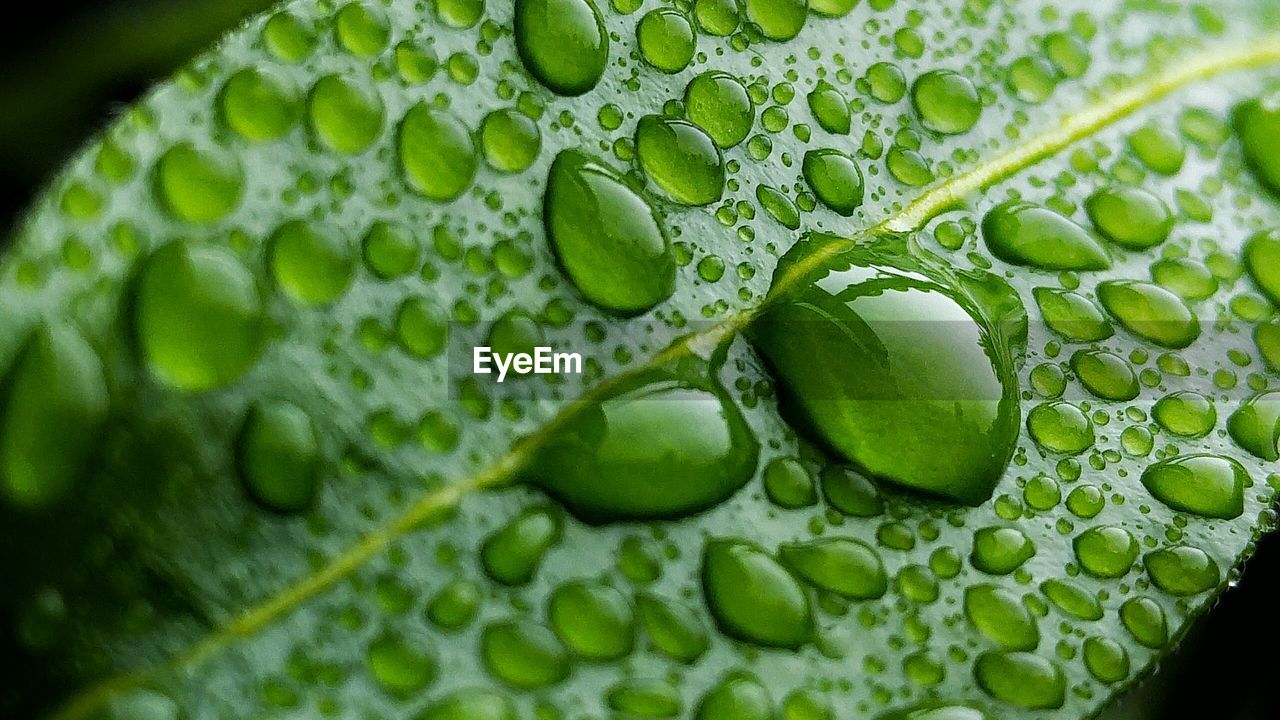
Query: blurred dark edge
(64, 72)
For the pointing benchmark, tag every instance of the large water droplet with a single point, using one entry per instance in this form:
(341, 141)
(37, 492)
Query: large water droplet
(666, 39)
(198, 186)
(563, 43)
(1255, 426)
(312, 263)
(718, 103)
(197, 316)
(681, 159)
(524, 655)
(1061, 427)
(1182, 570)
(593, 621)
(1145, 620)
(1106, 375)
(1072, 599)
(1000, 550)
(777, 19)
(1150, 312)
(259, 105)
(846, 567)
(278, 456)
(1130, 217)
(514, 552)
(1106, 551)
(1207, 485)
(946, 101)
(399, 667)
(1001, 617)
(1021, 233)
(437, 153)
(511, 140)
(607, 238)
(1257, 122)
(1262, 258)
(55, 402)
(752, 597)
(345, 114)
(674, 628)
(1072, 315)
(470, 704)
(856, 346)
(737, 697)
(835, 179)
(1021, 678)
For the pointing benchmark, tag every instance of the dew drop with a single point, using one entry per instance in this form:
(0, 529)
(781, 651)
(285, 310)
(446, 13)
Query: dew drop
(278, 456)
(593, 621)
(400, 668)
(198, 185)
(259, 105)
(718, 103)
(946, 101)
(1255, 426)
(1061, 427)
(666, 39)
(1106, 375)
(524, 655)
(681, 159)
(1106, 551)
(344, 114)
(1021, 233)
(1145, 621)
(312, 263)
(1257, 122)
(777, 19)
(1150, 312)
(1001, 617)
(1186, 413)
(514, 552)
(1073, 316)
(674, 628)
(1130, 217)
(1182, 570)
(437, 154)
(562, 43)
(843, 566)
(606, 236)
(1021, 678)
(511, 141)
(1000, 550)
(470, 704)
(836, 179)
(737, 697)
(1262, 258)
(752, 597)
(1205, 485)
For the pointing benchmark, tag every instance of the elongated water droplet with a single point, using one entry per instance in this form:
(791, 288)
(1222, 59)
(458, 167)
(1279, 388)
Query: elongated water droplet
(863, 375)
(606, 237)
(1206, 485)
(1186, 413)
(1150, 312)
(197, 316)
(777, 19)
(1182, 570)
(563, 43)
(593, 621)
(437, 153)
(737, 697)
(1130, 217)
(279, 455)
(695, 451)
(470, 704)
(836, 179)
(674, 628)
(1257, 122)
(681, 159)
(1145, 621)
(644, 699)
(524, 655)
(1021, 678)
(1021, 233)
(666, 39)
(1262, 258)
(55, 403)
(1255, 426)
(1001, 617)
(846, 567)
(830, 108)
(514, 552)
(752, 597)
(312, 263)
(1106, 375)
(1072, 599)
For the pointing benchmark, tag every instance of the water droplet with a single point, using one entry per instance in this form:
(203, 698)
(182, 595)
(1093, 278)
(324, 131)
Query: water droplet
(524, 655)
(390, 250)
(1186, 413)
(259, 104)
(197, 316)
(643, 698)
(422, 328)
(1022, 679)
(1257, 122)
(1255, 426)
(935, 711)
(1262, 258)
(1150, 312)
(345, 114)
(850, 492)
(400, 668)
(455, 606)
(946, 101)
(1130, 217)
(1032, 79)
(1105, 374)
(199, 186)
(606, 237)
(513, 553)
(835, 179)
(1106, 659)
(681, 159)
(864, 376)
(674, 628)
(1189, 279)
(55, 403)
(886, 82)
(312, 263)
(1158, 148)
(1072, 599)
(777, 19)
(1001, 617)
(846, 567)
(830, 108)
(460, 13)
(1021, 233)
(278, 456)
(717, 17)
(718, 103)
(562, 43)
(1061, 427)
(1182, 570)
(737, 697)
(1000, 550)
(511, 141)
(470, 704)
(1144, 619)
(697, 451)
(789, 484)
(779, 207)
(289, 37)
(1106, 551)
(1072, 315)
(593, 621)
(362, 30)
(752, 597)
(667, 40)
(437, 153)
(1206, 485)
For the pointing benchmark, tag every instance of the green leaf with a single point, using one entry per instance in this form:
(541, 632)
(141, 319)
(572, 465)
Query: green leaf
(823, 459)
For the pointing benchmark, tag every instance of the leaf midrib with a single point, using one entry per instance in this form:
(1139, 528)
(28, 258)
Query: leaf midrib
(1090, 119)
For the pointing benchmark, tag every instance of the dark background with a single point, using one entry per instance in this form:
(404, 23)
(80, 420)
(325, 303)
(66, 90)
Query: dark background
(67, 70)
